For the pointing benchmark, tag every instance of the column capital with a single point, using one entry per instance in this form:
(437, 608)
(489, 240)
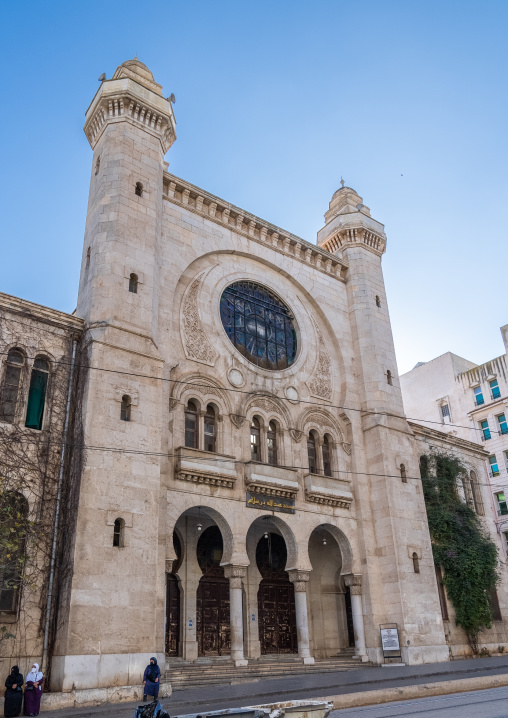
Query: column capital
(354, 582)
(299, 579)
(235, 574)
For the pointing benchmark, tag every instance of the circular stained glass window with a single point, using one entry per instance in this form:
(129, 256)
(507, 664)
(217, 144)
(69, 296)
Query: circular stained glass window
(259, 324)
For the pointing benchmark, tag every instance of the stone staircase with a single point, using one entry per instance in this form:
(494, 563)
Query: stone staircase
(221, 671)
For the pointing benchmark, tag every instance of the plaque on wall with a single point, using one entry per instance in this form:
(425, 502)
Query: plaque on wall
(270, 503)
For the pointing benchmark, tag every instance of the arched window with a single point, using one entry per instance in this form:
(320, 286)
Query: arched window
(389, 378)
(403, 474)
(378, 301)
(476, 494)
(210, 429)
(191, 425)
(139, 189)
(271, 443)
(10, 386)
(133, 283)
(125, 409)
(416, 563)
(97, 165)
(87, 264)
(37, 394)
(327, 456)
(118, 533)
(14, 520)
(255, 437)
(312, 453)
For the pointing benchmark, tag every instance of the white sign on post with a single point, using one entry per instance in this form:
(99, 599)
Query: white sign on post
(390, 639)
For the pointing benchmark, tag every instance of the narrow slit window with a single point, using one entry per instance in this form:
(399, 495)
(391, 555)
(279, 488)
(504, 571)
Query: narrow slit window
(416, 563)
(327, 461)
(133, 283)
(191, 425)
(118, 533)
(389, 378)
(312, 453)
(11, 383)
(125, 410)
(255, 440)
(378, 301)
(210, 429)
(87, 263)
(37, 394)
(442, 593)
(403, 474)
(139, 189)
(271, 441)
(97, 166)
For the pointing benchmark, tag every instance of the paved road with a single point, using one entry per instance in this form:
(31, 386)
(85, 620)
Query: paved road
(480, 704)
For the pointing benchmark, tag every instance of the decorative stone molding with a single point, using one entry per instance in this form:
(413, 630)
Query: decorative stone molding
(271, 480)
(296, 435)
(235, 574)
(203, 477)
(199, 467)
(347, 237)
(172, 404)
(315, 497)
(347, 447)
(321, 383)
(354, 582)
(237, 420)
(299, 579)
(414, 549)
(196, 343)
(211, 207)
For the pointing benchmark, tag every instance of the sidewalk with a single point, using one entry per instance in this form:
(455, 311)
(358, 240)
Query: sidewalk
(209, 698)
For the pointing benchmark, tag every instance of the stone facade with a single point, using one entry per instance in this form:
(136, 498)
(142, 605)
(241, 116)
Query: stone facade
(229, 508)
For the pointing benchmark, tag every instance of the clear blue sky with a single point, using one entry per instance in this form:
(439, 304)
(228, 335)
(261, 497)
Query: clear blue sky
(275, 101)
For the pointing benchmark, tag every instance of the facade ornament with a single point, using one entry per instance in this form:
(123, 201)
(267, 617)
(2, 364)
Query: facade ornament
(347, 447)
(296, 435)
(321, 383)
(299, 579)
(196, 343)
(172, 403)
(354, 582)
(235, 574)
(237, 420)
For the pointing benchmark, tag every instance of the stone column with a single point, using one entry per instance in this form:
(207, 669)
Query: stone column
(236, 574)
(354, 582)
(299, 580)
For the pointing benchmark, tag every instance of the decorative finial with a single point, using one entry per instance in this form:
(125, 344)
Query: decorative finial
(342, 182)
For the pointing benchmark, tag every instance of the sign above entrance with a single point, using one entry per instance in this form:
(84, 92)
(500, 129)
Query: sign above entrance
(270, 503)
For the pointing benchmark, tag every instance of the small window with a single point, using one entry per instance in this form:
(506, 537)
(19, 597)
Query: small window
(403, 474)
(442, 593)
(118, 532)
(139, 189)
(445, 413)
(476, 494)
(97, 165)
(416, 563)
(378, 301)
(494, 467)
(503, 426)
(37, 394)
(478, 396)
(87, 263)
(125, 410)
(10, 386)
(191, 425)
(502, 507)
(312, 453)
(271, 442)
(494, 388)
(484, 426)
(133, 283)
(255, 437)
(389, 377)
(210, 429)
(326, 451)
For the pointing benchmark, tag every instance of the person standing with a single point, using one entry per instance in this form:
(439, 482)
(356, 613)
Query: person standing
(13, 693)
(33, 691)
(151, 680)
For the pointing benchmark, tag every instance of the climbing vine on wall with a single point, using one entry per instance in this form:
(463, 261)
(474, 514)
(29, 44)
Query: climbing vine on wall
(460, 545)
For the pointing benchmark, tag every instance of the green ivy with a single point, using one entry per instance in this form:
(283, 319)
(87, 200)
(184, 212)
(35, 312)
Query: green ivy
(460, 545)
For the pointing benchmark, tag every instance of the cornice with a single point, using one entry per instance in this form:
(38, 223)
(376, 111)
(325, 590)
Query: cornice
(244, 223)
(448, 439)
(37, 312)
(355, 236)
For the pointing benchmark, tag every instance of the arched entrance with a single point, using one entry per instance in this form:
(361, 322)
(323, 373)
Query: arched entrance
(173, 602)
(276, 597)
(212, 609)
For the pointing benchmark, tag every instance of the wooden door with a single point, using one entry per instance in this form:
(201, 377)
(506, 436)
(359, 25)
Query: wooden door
(277, 617)
(172, 615)
(349, 618)
(213, 617)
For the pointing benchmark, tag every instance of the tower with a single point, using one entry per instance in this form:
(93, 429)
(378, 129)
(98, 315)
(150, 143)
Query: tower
(130, 127)
(393, 522)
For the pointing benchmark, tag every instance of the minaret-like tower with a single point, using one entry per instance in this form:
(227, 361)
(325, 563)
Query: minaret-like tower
(130, 127)
(392, 517)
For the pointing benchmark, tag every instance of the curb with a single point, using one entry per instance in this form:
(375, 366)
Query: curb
(424, 690)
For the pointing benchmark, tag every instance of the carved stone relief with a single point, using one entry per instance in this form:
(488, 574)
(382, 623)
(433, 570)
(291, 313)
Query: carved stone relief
(196, 343)
(237, 420)
(321, 383)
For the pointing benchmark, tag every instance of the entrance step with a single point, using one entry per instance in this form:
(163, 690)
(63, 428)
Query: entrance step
(221, 670)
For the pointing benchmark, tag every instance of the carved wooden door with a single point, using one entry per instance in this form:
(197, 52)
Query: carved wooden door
(277, 617)
(212, 625)
(172, 615)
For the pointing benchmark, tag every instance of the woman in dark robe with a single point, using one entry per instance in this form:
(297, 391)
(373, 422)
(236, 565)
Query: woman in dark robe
(33, 691)
(151, 680)
(13, 693)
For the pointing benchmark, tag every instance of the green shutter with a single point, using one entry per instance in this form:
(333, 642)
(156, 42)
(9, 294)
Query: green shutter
(36, 399)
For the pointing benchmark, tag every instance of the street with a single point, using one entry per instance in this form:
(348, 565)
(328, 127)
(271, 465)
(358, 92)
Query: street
(487, 704)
